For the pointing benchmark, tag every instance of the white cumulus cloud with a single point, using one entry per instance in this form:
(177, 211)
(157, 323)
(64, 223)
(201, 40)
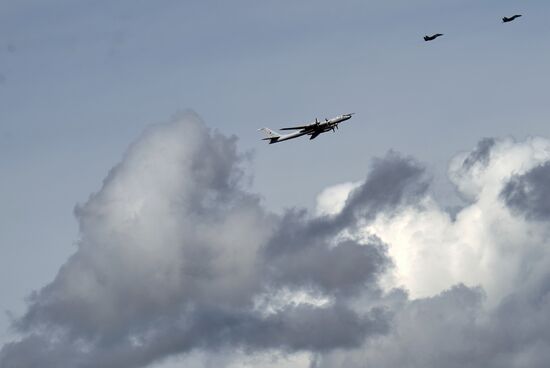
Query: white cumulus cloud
(177, 259)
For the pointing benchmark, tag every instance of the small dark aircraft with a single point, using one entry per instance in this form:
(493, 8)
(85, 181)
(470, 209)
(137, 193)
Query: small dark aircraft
(431, 38)
(506, 19)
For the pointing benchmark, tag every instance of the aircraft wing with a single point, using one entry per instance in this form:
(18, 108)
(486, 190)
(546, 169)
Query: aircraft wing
(310, 126)
(314, 135)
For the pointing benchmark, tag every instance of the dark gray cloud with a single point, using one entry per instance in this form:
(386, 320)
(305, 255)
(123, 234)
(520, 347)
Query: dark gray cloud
(529, 193)
(343, 269)
(301, 327)
(455, 330)
(173, 253)
(392, 182)
(466, 167)
(481, 154)
(300, 249)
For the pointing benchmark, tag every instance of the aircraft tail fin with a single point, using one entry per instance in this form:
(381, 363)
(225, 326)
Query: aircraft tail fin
(271, 136)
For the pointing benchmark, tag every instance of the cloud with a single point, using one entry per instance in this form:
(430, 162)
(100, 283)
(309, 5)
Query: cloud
(432, 250)
(456, 329)
(177, 257)
(174, 254)
(496, 245)
(393, 182)
(480, 155)
(529, 193)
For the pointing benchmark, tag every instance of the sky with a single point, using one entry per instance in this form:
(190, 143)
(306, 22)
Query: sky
(433, 188)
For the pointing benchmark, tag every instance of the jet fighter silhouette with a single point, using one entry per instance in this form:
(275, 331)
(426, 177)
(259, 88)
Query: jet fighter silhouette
(431, 38)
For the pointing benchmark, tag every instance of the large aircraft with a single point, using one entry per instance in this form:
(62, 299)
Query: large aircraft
(313, 129)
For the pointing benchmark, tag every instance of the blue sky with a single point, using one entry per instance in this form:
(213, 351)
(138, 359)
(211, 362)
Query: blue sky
(80, 80)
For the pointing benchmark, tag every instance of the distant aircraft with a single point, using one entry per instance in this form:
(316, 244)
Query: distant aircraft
(431, 38)
(506, 20)
(313, 129)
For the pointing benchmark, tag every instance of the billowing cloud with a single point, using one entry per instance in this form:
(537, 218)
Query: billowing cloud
(479, 281)
(432, 250)
(176, 257)
(456, 329)
(529, 193)
(480, 155)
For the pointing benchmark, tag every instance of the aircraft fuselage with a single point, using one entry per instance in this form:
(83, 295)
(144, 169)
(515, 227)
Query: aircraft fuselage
(314, 129)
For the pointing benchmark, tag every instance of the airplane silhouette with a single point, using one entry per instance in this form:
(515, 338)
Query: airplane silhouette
(311, 129)
(431, 38)
(506, 20)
